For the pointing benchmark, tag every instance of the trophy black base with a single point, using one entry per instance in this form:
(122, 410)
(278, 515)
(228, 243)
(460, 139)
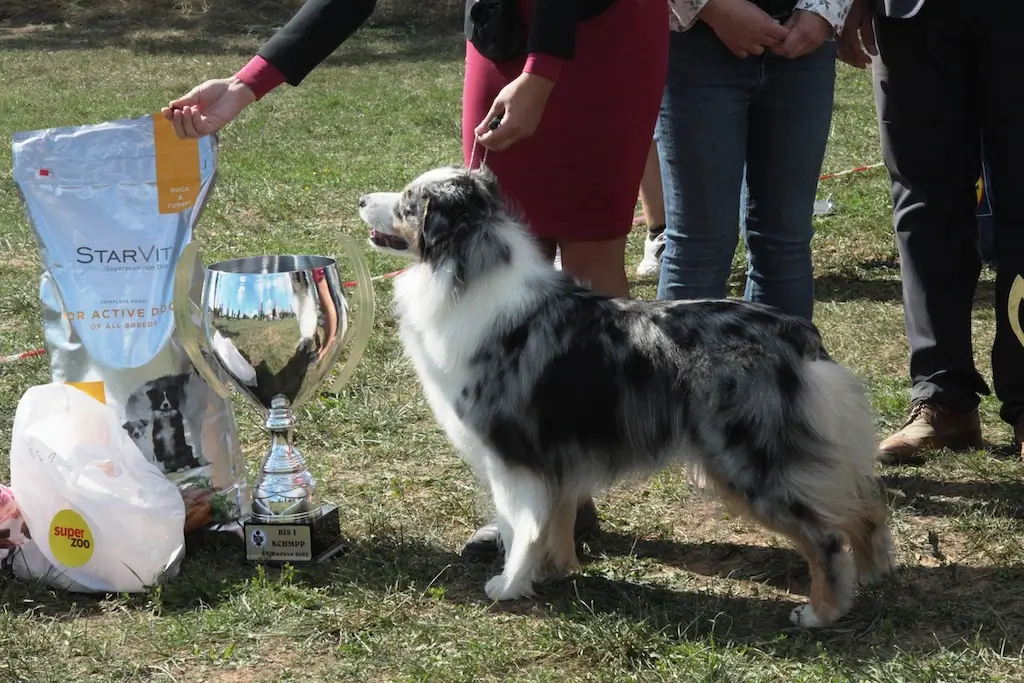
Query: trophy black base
(294, 543)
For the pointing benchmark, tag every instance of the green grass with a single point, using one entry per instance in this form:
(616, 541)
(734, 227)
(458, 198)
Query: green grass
(672, 590)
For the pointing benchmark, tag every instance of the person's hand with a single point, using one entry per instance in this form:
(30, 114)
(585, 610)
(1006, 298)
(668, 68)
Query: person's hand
(857, 43)
(520, 106)
(208, 107)
(807, 31)
(745, 28)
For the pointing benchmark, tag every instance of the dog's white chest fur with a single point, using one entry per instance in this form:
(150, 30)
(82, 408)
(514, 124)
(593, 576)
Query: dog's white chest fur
(438, 339)
(441, 337)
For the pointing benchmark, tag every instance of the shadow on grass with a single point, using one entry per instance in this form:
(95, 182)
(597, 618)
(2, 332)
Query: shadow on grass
(915, 611)
(228, 28)
(931, 498)
(918, 610)
(843, 287)
(852, 286)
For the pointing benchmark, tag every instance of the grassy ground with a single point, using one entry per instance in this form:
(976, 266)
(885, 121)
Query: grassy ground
(672, 589)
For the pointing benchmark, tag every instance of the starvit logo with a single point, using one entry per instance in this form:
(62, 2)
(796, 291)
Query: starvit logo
(150, 255)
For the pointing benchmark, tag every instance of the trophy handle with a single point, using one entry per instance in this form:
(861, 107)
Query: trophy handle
(359, 332)
(1013, 307)
(184, 307)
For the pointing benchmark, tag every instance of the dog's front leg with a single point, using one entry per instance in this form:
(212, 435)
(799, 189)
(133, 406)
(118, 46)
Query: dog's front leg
(560, 540)
(524, 508)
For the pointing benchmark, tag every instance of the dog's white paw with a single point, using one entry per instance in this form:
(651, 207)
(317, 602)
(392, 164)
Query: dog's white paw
(497, 588)
(805, 616)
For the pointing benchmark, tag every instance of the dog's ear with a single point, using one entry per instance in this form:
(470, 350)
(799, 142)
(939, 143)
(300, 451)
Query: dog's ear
(435, 226)
(453, 207)
(487, 186)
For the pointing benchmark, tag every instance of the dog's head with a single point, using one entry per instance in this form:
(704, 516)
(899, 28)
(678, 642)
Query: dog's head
(448, 215)
(136, 428)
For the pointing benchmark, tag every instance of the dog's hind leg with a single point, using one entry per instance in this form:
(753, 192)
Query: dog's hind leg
(523, 503)
(821, 543)
(833, 580)
(842, 486)
(872, 545)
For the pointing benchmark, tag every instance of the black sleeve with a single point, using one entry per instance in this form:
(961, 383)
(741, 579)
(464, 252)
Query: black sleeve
(309, 37)
(553, 31)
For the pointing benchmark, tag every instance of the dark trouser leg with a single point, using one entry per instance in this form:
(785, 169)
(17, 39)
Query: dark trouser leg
(1001, 73)
(927, 96)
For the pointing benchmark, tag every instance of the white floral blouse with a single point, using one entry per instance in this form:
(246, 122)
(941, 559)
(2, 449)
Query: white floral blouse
(684, 12)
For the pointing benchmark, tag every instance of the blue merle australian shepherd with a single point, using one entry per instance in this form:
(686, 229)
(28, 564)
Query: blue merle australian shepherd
(551, 391)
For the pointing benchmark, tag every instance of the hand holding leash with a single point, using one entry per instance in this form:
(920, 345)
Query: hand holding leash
(519, 106)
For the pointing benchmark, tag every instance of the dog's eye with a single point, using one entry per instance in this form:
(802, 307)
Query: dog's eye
(406, 207)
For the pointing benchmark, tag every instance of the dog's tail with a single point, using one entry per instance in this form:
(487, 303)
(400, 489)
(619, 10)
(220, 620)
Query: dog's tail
(839, 481)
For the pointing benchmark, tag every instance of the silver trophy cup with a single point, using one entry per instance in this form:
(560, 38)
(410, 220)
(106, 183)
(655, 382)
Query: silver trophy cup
(274, 327)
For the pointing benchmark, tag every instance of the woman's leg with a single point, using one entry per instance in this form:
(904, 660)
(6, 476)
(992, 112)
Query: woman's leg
(598, 265)
(789, 125)
(702, 131)
(652, 201)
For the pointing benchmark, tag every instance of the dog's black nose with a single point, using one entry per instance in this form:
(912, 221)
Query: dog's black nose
(362, 202)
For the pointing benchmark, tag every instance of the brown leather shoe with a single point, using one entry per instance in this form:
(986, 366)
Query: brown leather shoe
(932, 426)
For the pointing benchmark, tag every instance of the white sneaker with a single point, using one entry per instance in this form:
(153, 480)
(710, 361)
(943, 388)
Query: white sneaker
(653, 249)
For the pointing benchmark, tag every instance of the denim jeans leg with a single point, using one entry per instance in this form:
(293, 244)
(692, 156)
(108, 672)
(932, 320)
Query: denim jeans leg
(789, 125)
(701, 131)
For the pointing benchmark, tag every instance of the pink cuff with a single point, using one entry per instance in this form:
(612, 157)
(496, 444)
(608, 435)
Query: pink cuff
(260, 76)
(544, 66)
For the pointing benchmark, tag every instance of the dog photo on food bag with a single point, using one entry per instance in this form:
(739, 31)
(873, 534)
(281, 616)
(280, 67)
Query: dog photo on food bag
(157, 425)
(551, 391)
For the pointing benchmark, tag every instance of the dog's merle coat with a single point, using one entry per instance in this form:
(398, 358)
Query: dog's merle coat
(551, 391)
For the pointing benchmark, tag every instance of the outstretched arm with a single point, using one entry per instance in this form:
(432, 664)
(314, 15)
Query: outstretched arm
(309, 37)
(316, 31)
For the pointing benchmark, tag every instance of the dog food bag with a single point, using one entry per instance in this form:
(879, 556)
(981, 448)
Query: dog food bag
(111, 206)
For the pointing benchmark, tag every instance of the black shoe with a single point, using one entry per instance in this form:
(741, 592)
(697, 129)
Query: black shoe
(485, 544)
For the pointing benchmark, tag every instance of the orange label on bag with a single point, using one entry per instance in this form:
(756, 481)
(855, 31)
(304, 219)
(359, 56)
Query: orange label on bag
(177, 167)
(94, 389)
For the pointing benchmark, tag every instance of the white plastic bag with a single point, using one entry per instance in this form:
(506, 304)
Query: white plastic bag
(102, 517)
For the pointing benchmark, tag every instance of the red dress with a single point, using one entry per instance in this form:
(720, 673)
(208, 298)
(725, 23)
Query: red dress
(577, 177)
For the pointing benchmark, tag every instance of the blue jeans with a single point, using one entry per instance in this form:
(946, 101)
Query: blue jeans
(723, 119)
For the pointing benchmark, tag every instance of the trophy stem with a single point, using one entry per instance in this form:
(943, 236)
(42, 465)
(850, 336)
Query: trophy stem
(285, 491)
(280, 418)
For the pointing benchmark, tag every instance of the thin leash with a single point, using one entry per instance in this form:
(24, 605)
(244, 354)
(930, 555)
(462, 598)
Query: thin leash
(493, 125)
